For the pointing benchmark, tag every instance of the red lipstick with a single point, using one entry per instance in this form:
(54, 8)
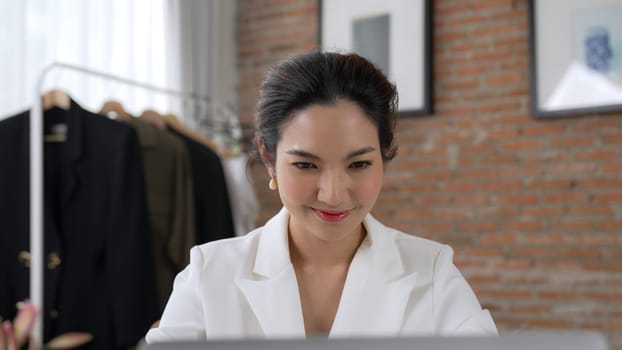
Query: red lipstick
(332, 216)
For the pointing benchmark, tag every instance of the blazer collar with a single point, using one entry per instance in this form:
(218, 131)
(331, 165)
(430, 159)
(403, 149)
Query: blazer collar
(73, 148)
(377, 290)
(75, 123)
(271, 288)
(273, 249)
(73, 118)
(373, 299)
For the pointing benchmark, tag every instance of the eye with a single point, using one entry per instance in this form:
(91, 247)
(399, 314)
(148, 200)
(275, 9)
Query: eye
(303, 165)
(360, 164)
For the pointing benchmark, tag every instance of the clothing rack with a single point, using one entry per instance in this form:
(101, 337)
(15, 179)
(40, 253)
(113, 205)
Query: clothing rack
(36, 174)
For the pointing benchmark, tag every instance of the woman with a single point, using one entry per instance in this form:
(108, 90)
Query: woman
(323, 265)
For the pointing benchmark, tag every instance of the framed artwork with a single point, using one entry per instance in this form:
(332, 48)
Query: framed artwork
(576, 56)
(394, 34)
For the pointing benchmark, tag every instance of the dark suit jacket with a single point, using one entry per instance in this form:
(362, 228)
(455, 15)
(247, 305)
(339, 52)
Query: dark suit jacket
(170, 201)
(98, 275)
(211, 199)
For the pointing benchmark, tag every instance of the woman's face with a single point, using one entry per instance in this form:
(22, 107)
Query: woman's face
(329, 170)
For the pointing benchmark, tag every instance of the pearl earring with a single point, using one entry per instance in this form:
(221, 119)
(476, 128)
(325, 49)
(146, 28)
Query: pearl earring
(272, 184)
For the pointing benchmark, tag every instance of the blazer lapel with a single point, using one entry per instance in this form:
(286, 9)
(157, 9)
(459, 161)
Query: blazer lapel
(376, 292)
(73, 153)
(271, 289)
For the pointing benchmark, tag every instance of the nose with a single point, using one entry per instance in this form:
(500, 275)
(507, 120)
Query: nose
(333, 188)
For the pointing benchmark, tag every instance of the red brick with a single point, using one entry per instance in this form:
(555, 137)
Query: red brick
(578, 252)
(571, 266)
(524, 225)
(604, 266)
(505, 79)
(476, 174)
(557, 184)
(566, 197)
(511, 294)
(504, 159)
(597, 155)
(571, 168)
(496, 106)
(606, 296)
(612, 168)
(529, 251)
(546, 129)
(522, 145)
(572, 225)
(497, 238)
(542, 211)
(433, 176)
(596, 239)
(518, 199)
(413, 213)
(484, 251)
(614, 226)
(503, 186)
(573, 141)
(477, 226)
(488, 4)
(614, 197)
(559, 295)
(549, 323)
(612, 139)
(459, 187)
(433, 227)
(499, 212)
(599, 125)
(483, 279)
(541, 238)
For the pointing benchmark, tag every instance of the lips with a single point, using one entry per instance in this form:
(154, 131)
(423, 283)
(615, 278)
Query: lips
(332, 216)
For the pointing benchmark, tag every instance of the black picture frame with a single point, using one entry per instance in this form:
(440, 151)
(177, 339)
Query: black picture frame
(575, 57)
(394, 34)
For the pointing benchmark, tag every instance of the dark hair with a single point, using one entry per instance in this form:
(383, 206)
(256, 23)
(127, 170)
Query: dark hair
(323, 78)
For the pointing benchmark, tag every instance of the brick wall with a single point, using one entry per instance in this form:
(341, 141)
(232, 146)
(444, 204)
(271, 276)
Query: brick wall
(532, 207)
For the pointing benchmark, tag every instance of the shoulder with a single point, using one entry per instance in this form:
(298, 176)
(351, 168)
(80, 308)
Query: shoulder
(417, 251)
(405, 242)
(95, 121)
(229, 254)
(416, 254)
(15, 121)
(10, 127)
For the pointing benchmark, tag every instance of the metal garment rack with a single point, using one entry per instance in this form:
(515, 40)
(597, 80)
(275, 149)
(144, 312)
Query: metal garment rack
(36, 175)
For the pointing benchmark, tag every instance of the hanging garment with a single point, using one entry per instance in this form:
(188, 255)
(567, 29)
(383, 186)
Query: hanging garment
(244, 203)
(211, 198)
(98, 274)
(170, 201)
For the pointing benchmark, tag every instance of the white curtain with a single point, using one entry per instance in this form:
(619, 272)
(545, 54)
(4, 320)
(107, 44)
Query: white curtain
(203, 33)
(125, 38)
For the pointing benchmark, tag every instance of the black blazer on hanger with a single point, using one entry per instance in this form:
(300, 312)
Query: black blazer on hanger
(212, 212)
(98, 273)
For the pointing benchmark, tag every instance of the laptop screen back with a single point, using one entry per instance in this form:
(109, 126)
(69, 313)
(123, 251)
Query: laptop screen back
(570, 340)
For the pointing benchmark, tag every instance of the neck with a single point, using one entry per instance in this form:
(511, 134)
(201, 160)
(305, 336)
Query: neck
(308, 250)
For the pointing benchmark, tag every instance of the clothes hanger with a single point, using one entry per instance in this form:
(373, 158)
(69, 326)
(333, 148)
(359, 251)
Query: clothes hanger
(114, 109)
(153, 117)
(172, 120)
(56, 98)
(59, 99)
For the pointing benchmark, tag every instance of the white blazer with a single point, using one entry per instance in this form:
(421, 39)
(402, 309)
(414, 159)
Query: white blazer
(397, 284)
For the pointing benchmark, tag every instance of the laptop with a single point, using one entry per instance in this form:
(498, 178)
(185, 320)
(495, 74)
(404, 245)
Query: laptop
(546, 340)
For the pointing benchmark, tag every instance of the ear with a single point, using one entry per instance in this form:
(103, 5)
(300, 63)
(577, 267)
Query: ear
(266, 157)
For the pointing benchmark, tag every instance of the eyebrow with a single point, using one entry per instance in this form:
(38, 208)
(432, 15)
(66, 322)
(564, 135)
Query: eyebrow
(312, 156)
